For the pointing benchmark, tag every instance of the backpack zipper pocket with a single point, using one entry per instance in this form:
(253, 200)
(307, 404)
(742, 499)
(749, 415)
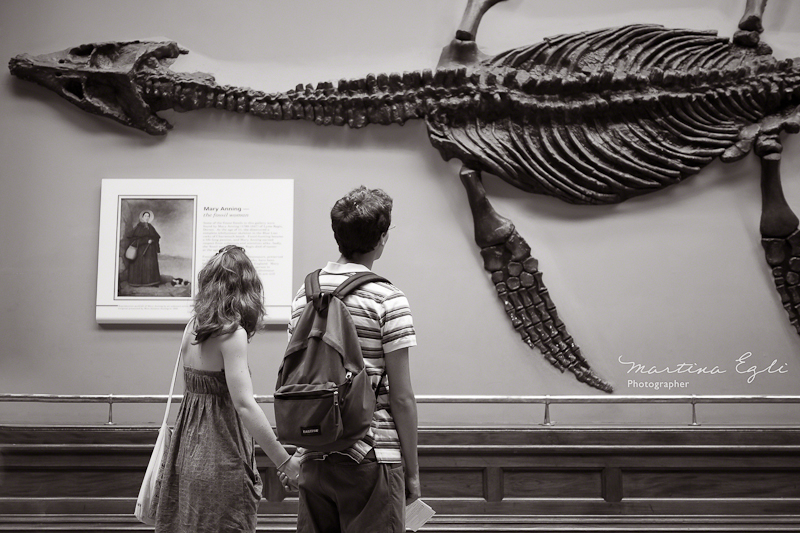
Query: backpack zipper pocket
(307, 391)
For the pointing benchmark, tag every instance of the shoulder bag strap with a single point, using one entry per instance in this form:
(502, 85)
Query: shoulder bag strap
(175, 372)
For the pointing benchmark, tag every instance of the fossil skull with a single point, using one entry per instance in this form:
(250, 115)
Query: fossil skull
(99, 78)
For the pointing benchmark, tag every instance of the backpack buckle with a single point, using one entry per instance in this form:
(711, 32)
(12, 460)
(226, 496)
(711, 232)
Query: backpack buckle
(321, 302)
(348, 376)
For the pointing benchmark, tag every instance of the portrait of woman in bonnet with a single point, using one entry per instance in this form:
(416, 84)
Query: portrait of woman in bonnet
(144, 269)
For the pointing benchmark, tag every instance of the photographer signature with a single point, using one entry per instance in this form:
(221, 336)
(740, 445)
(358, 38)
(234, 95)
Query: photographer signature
(754, 371)
(743, 366)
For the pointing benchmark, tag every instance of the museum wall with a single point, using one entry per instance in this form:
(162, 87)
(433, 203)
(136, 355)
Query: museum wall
(669, 279)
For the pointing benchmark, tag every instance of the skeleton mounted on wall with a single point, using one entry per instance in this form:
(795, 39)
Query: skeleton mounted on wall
(589, 118)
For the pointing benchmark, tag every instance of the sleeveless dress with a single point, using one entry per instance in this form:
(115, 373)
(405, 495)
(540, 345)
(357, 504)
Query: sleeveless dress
(209, 482)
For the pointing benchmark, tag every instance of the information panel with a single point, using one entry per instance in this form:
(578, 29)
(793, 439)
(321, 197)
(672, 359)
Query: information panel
(156, 234)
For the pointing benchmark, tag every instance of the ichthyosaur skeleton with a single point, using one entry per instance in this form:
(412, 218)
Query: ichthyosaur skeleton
(590, 118)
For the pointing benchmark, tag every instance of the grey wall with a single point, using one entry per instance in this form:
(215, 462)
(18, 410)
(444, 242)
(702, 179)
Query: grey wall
(676, 277)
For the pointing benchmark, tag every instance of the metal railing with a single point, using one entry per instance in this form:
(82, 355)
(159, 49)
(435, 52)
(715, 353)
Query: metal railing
(545, 400)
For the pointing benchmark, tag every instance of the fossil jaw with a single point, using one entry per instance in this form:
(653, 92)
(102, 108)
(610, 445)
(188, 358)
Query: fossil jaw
(101, 78)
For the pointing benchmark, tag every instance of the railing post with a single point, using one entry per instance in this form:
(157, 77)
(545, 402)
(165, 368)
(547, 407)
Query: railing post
(110, 411)
(694, 411)
(547, 421)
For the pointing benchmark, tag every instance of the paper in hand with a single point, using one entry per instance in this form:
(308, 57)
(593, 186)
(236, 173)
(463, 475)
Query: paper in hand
(417, 514)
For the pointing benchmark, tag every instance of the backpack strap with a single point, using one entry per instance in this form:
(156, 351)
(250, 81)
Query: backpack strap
(355, 281)
(312, 285)
(321, 300)
(314, 293)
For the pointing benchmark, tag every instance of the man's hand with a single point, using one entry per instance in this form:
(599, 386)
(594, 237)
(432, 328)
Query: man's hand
(413, 491)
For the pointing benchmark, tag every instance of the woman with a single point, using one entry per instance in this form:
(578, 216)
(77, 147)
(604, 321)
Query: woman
(144, 268)
(209, 481)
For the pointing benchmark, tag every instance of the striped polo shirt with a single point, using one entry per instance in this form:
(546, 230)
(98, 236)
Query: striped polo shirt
(383, 322)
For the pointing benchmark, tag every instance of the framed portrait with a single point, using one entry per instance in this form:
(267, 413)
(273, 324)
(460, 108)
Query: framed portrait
(156, 234)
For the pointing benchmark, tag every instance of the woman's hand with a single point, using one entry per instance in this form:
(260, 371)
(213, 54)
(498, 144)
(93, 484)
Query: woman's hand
(289, 473)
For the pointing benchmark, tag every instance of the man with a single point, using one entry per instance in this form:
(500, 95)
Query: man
(365, 488)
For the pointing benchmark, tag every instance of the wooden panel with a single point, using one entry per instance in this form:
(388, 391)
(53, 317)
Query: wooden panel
(493, 484)
(451, 523)
(612, 484)
(73, 482)
(455, 483)
(518, 479)
(110, 434)
(526, 483)
(109, 505)
(690, 509)
(755, 484)
(628, 438)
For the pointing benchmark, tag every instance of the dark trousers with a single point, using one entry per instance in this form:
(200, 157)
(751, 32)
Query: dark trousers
(337, 495)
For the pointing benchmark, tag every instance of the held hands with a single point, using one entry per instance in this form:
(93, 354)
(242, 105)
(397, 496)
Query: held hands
(289, 473)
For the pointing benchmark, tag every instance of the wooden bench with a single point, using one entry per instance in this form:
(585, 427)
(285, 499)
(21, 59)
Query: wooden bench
(477, 479)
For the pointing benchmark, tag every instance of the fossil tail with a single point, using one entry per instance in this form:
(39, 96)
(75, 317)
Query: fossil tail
(516, 276)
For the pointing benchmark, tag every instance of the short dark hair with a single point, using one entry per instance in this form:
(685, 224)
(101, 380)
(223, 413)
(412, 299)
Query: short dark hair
(359, 219)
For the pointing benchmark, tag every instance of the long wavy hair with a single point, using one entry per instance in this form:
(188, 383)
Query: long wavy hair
(229, 295)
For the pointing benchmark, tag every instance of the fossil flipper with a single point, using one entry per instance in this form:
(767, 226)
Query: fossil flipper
(783, 257)
(518, 281)
(780, 236)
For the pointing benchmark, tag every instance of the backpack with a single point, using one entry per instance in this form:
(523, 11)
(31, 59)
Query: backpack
(324, 400)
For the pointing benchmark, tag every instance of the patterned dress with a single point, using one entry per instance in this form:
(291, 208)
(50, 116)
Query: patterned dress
(209, 482)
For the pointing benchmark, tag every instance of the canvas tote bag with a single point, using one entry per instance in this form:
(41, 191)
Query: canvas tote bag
(145, 510)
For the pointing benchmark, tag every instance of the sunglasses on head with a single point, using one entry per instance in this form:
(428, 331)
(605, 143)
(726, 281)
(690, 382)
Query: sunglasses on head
(221, 250)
